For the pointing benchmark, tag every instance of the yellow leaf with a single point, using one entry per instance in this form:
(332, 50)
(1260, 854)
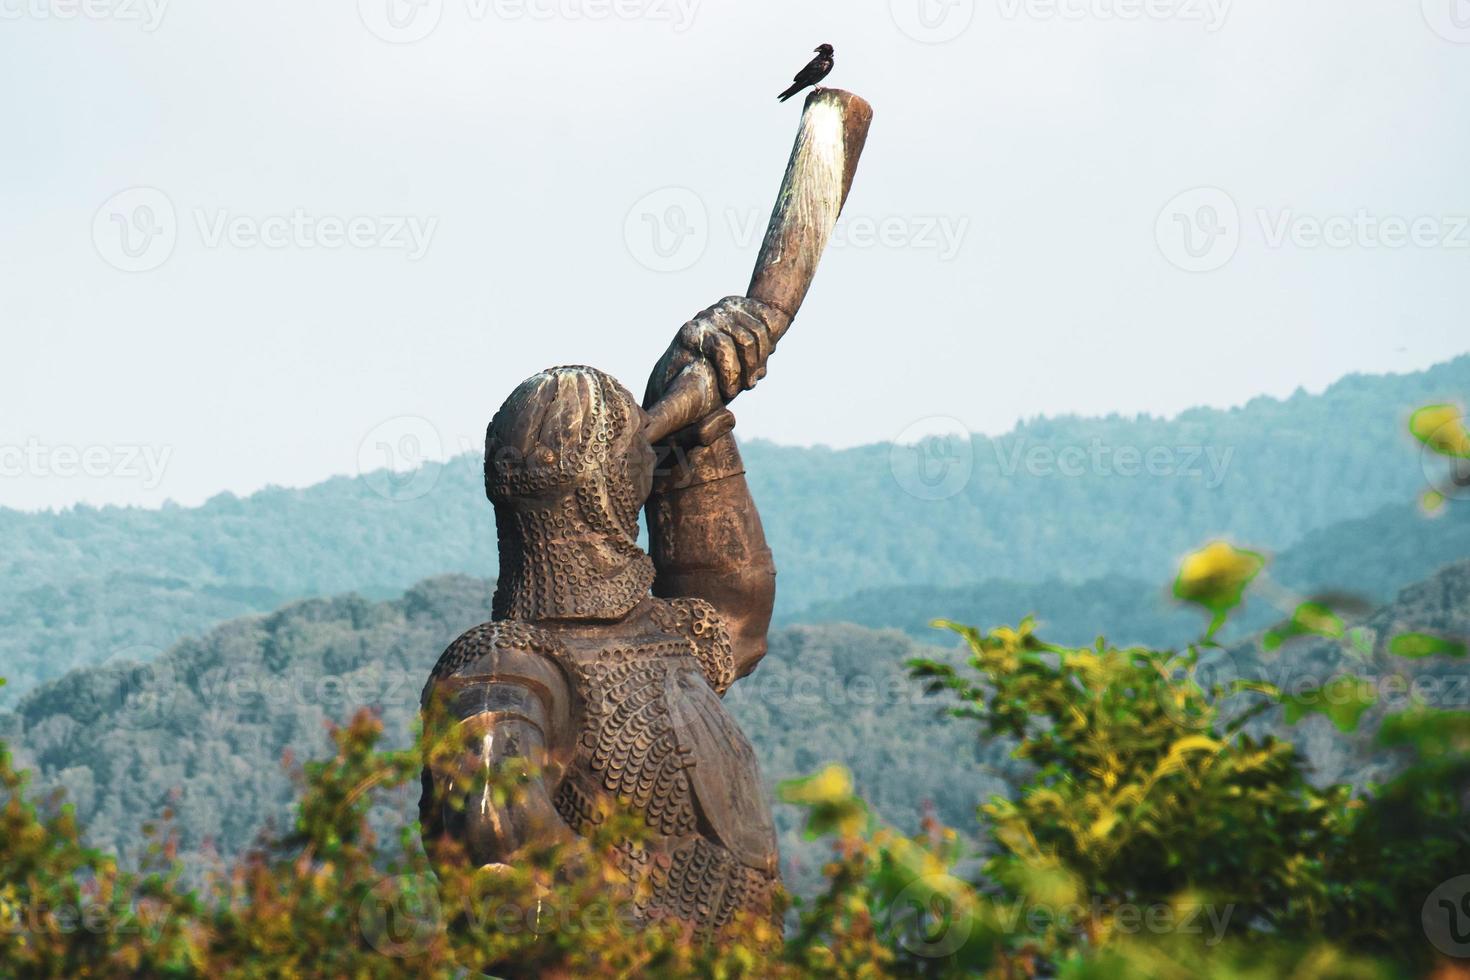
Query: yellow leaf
(1441, 428)
(1216, 575)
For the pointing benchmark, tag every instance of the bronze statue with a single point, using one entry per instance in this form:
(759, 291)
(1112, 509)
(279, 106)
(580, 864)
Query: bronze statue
(604, 666)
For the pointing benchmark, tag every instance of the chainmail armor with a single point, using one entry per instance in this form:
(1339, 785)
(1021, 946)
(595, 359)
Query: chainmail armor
(566, 505)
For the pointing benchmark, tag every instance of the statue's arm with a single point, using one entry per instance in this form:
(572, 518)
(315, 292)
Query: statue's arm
(705, 532)
(707, 541)
(498, 731)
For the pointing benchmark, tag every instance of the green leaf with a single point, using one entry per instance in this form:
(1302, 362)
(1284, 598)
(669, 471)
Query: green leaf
(1309, 619)
(1341, 700)
(829, 801)
(1432, 732)
(1415, 646)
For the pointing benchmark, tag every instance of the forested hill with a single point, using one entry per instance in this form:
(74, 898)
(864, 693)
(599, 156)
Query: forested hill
(1065, 499)
(204, 729)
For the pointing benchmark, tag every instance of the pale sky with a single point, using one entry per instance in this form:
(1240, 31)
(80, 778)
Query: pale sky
(343, 239)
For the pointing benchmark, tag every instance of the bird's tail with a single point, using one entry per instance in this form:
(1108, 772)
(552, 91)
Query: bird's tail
(790, 92)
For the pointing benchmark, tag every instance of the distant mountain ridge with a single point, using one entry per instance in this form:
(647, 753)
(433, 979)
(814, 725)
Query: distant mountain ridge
(86, 585)
(1366, 561)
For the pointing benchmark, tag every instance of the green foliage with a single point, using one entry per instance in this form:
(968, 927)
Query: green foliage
(1418, 645)
(1149, 791)
(1152, 835)
(1309, 619)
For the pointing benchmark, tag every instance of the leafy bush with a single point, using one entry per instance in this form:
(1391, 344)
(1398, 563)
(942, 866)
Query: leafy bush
(1154, 836)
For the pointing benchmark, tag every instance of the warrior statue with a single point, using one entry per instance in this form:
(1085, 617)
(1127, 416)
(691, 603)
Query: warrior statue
(603, 666)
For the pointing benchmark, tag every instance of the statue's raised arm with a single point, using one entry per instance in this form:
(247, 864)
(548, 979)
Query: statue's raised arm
(703, 528)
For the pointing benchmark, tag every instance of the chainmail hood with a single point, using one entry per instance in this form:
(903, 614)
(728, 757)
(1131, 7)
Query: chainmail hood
(559, 470)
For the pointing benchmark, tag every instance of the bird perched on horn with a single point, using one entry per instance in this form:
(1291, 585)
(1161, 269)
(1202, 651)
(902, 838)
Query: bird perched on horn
(816, 70)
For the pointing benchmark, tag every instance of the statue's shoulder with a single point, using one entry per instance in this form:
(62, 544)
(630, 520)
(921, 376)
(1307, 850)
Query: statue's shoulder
(500, 649)
(699, 623)
(508, 668)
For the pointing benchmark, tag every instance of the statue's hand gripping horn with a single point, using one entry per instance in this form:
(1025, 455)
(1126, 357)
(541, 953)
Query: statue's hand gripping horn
(834, 128)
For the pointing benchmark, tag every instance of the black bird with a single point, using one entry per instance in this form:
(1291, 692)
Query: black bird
(813, 73)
